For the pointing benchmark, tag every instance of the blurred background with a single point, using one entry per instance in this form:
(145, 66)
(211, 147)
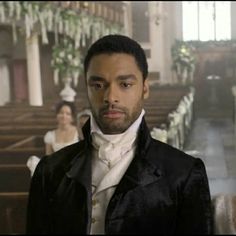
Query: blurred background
(191, 52)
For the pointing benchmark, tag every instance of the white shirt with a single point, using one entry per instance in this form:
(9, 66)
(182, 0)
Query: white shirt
(111, 157)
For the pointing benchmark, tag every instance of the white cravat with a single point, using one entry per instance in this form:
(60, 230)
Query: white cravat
(110, 152)
(112, 155)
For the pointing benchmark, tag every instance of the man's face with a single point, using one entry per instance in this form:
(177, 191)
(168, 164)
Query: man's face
(115, 91)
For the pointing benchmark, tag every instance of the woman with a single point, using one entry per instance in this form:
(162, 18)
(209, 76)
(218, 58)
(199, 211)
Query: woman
(66, 132)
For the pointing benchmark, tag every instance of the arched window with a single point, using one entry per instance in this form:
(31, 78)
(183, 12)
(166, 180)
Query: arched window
(206, 20)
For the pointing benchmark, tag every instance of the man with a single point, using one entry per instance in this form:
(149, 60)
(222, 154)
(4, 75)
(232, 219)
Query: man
(118, 179)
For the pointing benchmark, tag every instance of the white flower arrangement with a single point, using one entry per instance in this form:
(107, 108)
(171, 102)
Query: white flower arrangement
(66, 60)
(183, 60)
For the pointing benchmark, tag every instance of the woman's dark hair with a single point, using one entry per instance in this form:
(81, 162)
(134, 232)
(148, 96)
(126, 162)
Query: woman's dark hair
(66, 103)
(118, 44)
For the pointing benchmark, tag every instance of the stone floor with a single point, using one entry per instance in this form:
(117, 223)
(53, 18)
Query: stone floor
(213, 140)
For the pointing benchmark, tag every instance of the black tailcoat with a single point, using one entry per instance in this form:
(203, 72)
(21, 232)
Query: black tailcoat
(163, 191)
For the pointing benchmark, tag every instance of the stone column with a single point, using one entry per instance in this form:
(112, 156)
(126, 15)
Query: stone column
(177, 21)
(234, 110)
(33, 70)
(127, 18)
(233, 19)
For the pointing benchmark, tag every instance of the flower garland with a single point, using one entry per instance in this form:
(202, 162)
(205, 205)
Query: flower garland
(75, 26)
(57, 20)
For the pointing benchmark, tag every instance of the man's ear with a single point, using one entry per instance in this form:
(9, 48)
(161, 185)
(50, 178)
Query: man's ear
(146, 89)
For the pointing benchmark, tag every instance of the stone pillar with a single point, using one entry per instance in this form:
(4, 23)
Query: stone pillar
(233, 20)
(161, 43)
(178, 22)
(234, 109)
(33, 70)
(127, 18)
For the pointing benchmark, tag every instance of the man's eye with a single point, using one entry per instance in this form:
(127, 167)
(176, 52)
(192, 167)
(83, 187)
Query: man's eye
(97, 85)
(126, 85)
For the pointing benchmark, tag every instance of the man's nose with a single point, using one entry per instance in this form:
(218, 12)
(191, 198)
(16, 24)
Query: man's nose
(111, 95)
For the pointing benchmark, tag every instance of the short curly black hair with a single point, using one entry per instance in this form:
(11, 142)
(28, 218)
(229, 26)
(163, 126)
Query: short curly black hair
(118, 44)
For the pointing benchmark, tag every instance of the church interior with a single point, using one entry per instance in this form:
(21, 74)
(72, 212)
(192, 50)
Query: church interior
(191, 52)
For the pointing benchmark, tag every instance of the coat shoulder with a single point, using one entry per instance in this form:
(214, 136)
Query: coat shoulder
(172, 160)
(62, 159)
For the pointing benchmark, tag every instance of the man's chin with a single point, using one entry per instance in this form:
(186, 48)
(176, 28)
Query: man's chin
(113, 128)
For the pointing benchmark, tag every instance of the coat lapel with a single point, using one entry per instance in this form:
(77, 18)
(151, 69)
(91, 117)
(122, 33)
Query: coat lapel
(80, 171)
(139, 173)
(141, 170)
(81, 165)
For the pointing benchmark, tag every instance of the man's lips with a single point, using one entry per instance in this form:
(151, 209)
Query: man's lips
(113, 114)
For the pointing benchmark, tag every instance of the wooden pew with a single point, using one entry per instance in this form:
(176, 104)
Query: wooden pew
(28, 142)
(25, 129)
(14, 178)
(29, 121)
(157, 121)
(18, 140)
(19, 155)
(7, 140)
(13, 207)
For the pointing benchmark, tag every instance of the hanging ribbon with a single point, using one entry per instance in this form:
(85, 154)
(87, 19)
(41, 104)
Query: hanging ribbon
(27, 26)
(75, 77)
(56, 76)
(77, 38)
(56, 20)
(30, 11)
(49, 19)
(83, 40)
(60, 25)
(14, 33)
(18, 10)
(43, 28)
(2, 12)
(11, 8)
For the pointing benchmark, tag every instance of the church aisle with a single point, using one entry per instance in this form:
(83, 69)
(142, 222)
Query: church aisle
(213, 140)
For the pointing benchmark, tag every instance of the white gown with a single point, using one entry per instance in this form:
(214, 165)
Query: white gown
(49, 138)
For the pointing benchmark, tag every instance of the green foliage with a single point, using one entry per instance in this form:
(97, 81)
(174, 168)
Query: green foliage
(182, 57)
